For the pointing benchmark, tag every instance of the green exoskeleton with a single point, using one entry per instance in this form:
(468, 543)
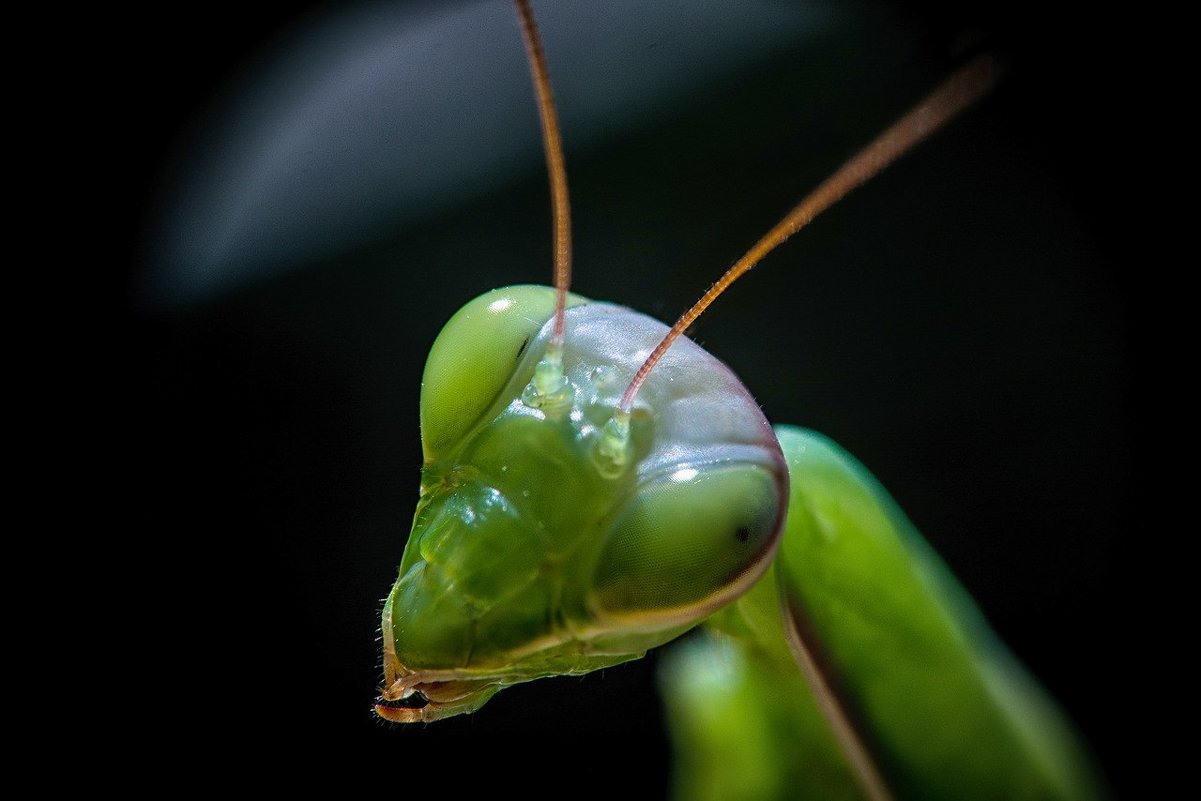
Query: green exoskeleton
(595, 486)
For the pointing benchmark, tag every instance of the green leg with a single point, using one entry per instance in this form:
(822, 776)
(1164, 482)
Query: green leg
(937, 704)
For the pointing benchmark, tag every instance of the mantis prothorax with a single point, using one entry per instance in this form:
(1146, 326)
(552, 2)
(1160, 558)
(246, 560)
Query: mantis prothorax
(594, 487)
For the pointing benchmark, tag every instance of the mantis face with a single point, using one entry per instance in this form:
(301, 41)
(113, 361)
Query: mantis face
(533, 551)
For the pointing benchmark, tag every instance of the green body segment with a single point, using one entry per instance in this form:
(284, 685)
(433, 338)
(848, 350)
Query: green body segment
(744, 724)
(941, 706)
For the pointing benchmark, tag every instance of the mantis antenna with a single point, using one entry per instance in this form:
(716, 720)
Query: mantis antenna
(960, 91)
(553, 145)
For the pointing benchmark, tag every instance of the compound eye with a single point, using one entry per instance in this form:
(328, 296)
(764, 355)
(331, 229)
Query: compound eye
(690, 543)
(474, 357)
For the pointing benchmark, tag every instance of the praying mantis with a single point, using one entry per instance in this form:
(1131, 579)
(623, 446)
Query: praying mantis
(443, 655)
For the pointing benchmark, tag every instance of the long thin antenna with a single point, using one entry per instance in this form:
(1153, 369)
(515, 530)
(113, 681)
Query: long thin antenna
(959, 91)
(553, 145)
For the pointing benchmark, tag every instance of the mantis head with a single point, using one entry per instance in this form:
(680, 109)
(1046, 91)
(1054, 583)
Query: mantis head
(543, 544)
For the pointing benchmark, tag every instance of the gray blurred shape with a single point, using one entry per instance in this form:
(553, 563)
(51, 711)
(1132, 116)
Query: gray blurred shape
(378, 116)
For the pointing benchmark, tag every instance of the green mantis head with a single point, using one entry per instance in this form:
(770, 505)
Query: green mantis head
(532, 553)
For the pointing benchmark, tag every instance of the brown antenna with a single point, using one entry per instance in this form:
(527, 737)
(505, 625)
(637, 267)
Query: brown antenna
(553, 145)
(959, 91)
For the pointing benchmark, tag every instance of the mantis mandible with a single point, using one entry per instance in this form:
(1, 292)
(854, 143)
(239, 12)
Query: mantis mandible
(572, 517)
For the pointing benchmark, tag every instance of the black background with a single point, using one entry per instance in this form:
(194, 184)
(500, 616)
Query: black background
(964, 324)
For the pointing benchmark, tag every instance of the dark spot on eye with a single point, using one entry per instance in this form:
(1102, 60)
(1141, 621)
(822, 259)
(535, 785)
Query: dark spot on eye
(521, 350)
(743, 534)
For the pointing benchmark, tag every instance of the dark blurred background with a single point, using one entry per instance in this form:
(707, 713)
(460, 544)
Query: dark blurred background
(963, 324)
